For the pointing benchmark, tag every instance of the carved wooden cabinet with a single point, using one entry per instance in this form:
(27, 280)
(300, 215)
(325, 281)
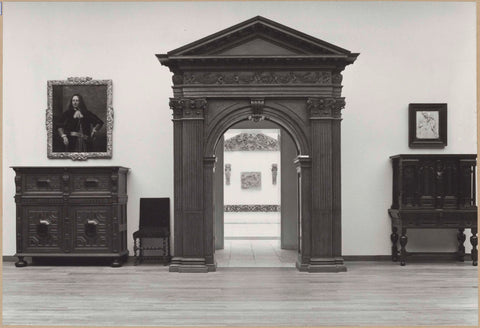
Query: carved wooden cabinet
(71, 212)
(433, 191)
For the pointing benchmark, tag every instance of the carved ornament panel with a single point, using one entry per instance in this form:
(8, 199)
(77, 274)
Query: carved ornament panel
(188, 108)
(252, 77)
(327, 107)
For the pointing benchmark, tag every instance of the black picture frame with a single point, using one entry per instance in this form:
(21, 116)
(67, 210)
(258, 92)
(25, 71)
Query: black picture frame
(427, 125)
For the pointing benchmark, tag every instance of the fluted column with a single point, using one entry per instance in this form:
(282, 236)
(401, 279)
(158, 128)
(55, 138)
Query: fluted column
(325, 116)
(189, 216)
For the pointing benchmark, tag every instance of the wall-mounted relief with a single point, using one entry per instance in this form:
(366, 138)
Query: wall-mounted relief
(228, 171)
(427, 125)
(251, 180)
(252, 208)
(251, 142)
(274, 173)
(79, 118)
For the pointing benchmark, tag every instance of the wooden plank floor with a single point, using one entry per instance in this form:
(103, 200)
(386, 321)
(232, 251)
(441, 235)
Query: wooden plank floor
(369, 294)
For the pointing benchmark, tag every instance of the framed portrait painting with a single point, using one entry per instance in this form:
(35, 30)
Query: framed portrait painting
(79, 118)
(427, 125)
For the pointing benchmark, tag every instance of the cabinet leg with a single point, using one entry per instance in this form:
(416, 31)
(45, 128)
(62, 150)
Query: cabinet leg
(461, 248)
(21, 263)
(394, 239)
(403, 243)
(116, 262)
(474, 242)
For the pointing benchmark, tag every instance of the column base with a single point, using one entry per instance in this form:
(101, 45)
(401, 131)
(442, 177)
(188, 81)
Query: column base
(191, 265)
(324, 264)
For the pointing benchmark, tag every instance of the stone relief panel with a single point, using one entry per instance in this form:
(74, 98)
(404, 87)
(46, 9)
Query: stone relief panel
(251, 142)
(251, 180)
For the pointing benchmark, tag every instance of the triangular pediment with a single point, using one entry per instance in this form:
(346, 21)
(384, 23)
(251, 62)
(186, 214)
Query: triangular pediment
(258, 37)
(257, 46)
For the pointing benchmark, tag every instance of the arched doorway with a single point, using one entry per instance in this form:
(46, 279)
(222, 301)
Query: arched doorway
(258, 70)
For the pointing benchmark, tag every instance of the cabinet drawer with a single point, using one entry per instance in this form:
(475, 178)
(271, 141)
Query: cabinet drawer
(42, 229)
(91, 182)
(42, 183)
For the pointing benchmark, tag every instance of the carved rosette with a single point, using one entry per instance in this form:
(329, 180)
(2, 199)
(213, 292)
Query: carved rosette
(185, 108)
(325, 108)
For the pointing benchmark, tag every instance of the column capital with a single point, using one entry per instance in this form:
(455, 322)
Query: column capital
(325, 107)
(209, 161)
(188, 108)
(303, 161)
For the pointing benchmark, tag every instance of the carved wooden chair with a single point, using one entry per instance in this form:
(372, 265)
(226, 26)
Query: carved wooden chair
(154, 224)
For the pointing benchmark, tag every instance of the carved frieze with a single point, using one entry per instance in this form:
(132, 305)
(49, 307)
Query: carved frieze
(252, 208)
(188, 108)
(327, 107)
(251, 142)
(253, 77)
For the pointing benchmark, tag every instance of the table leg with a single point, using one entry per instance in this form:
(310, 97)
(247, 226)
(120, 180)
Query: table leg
(461, 240)
(403, 243)
(474, 242)
(394, 239)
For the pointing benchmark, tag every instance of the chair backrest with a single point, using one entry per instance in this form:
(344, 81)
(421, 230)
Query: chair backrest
(155, 212)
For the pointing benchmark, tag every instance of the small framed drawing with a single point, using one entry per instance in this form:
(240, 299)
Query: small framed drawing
(79, 118)
(427, 125)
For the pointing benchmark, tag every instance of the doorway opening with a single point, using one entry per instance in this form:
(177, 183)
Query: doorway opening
(256, 233)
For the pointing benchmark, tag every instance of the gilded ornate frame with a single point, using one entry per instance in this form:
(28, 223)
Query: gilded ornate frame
(50, 112)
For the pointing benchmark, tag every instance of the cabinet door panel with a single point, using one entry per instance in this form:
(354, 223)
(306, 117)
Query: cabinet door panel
(92, 225)
(43, 228)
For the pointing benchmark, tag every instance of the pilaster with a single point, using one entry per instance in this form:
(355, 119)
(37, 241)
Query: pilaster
(189, 220)
(325, 117)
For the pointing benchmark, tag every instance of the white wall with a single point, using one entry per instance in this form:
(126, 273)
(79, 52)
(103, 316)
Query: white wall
(410, 52)
(252, 161)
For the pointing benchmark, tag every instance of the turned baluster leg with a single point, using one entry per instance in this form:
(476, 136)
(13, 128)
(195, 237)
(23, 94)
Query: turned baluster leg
(20, 263)
(141, 250)
(474, 242)
(135, 250)
(394, 239)
(461, 240)
(164, 245)
(403, 243)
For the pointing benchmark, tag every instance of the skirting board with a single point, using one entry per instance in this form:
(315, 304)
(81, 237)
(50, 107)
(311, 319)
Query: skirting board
(417, 257)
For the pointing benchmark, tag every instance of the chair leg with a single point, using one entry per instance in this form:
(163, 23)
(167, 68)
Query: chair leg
(140, 259)
(164, 247)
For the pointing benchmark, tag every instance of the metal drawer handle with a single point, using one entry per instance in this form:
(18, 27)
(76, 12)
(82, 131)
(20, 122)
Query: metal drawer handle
(92, 222)
(45, 222)
(91, 228)
(43, 183)
(91, 182)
